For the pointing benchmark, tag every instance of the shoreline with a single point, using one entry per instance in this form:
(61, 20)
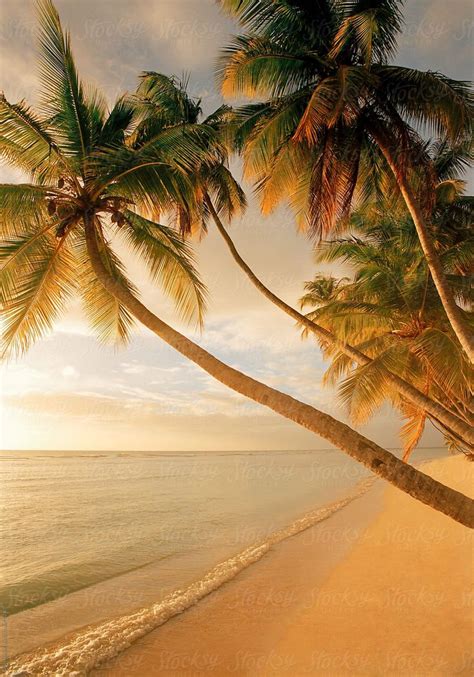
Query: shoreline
(277, 607)
(392, 596)
(79, 649)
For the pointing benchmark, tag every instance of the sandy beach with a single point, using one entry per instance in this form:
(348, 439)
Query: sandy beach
(383, 587)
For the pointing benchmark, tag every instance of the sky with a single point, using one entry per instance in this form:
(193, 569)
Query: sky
(69, 392)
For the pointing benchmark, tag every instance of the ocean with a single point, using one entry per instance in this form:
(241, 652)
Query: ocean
(137, 537)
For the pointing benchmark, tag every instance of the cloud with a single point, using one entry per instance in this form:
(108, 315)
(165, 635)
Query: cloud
(61, 423)
(133, 367)
(114, 41)
(70, 372)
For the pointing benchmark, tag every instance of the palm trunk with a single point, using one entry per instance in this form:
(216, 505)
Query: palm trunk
(452, 310)
(381, 462)
(412, 394)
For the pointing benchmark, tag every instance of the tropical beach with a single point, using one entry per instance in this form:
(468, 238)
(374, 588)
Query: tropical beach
(236, 266)
(379, 600)
(292, 608)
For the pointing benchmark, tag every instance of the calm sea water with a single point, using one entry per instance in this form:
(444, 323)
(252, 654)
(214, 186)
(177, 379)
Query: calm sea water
(71, 520)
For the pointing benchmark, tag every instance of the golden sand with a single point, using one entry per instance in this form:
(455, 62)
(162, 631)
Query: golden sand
(383, 587)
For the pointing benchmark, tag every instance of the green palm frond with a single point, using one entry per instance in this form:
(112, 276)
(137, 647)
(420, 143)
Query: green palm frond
(353, 321)
(109, 319)
(25, 141)
(161, 158)
(21, 206)
(63, 95)
(223, 122)
(252, 65)
(183, 145)
(448, 190)
(44, 281)
(167, 98)
(372, 26)
(391, 356)
(321, 290)
(20, 252)
(97, 114)
(228, 197)
(459, 259)
(450, 161)
(170, 261)
(148, 183)
(273, 127)
(429, 99)
(117, 123)
(291, 22)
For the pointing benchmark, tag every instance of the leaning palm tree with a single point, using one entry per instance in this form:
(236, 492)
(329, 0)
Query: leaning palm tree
(218, 196)
(391, 311)
(94, 176)
(338, 117)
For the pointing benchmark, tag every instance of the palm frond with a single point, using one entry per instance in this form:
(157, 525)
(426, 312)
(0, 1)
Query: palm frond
(274, 127)
(290, 22)
(21, 252)
(109, 319)
(252, 65)
(171, 263)
(412, 429)
(165, 157)
(444, 356)
(429, 99)
(167, 98)
(287, 178)
(44, 281)
(372, 26)
(25, 141)
(21, 206)
(333, 179)
(451, 160)
(228, 196)
(63, 95)
(364, 391)
(117, 124)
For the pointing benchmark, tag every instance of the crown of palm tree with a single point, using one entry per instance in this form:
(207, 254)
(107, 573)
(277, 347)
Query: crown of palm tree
(159, 95)
(390, 310)
(112, 167)
(323, 67)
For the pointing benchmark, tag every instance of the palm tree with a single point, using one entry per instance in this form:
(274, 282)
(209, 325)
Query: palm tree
(391, 311)
(338, 116)
(94, 175)
(218, 195)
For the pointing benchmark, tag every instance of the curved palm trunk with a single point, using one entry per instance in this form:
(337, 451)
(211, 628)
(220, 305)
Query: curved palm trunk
(452, 310)
(412, 394)
(381, 462)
